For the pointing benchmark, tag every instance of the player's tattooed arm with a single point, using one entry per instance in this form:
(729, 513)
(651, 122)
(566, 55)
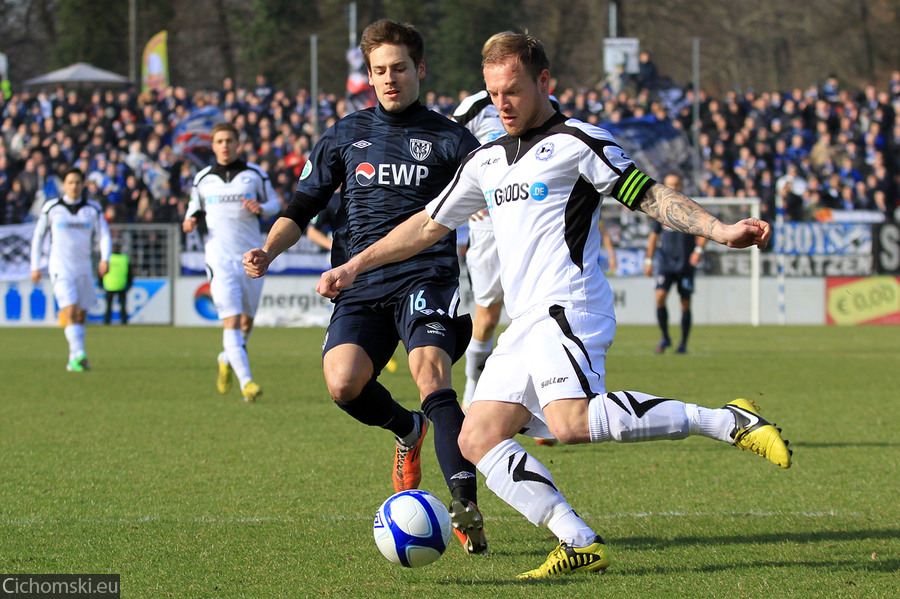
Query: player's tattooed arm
(678, 211)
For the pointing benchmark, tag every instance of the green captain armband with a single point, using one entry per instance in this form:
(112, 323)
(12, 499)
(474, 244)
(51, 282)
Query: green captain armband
(632, 186)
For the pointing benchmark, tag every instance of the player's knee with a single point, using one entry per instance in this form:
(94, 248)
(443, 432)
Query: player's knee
(567, 435)
(568, 422)
(468, 446)
(473, 444)
(344, 388)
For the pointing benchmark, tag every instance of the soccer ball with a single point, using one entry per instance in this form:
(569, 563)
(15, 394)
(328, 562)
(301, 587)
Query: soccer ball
(412, 528)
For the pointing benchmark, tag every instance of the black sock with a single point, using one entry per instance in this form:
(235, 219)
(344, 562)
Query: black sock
(376, 407)
(662, 317)
(442, 408)
(685, 326)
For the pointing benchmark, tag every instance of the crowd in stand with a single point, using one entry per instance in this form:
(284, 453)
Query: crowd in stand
(817, 149)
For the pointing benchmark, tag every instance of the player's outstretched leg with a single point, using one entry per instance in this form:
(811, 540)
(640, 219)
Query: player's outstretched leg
(754, 433)
(632, 416)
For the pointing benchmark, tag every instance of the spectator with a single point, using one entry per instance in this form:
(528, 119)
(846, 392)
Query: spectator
(749, 133)
(15, 210)
(647, 74)
(789, 190)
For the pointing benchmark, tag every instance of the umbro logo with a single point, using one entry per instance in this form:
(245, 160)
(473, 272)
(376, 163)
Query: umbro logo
(435, 327)
(361, 144)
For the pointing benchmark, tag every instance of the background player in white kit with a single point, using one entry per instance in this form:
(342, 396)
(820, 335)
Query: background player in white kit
(73, 222)
(229, 197)
(544, 184)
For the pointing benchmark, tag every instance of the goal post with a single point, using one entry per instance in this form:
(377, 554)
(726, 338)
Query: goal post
(731, 210)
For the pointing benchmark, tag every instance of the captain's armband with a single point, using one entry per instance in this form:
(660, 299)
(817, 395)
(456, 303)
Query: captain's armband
(632, 186)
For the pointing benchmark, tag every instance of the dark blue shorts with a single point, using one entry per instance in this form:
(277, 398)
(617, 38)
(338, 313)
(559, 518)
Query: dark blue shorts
(684, 280)
(425, 316)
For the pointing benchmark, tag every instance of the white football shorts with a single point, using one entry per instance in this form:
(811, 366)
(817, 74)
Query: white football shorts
(233, 292)
(77, 290)
(483, 265)
(548, 353)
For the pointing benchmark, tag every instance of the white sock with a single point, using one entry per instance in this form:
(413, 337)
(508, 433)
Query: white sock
(75, 336)
(569, 527)
(233, 341)
(715, 423)
(521, 481)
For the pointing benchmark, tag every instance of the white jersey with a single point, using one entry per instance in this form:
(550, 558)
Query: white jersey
(544, 191)
(219, 192)
(73, 227)
(478, 114)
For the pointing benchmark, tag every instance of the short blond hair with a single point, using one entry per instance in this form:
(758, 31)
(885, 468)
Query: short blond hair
(525, 49)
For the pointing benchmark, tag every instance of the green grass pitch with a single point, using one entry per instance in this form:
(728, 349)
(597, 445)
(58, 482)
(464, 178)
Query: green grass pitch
(141, 468)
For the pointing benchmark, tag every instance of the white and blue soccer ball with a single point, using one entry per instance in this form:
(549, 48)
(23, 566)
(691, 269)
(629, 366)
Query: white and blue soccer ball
(412, 528)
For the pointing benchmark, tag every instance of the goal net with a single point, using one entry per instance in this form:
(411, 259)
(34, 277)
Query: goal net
(630, 232)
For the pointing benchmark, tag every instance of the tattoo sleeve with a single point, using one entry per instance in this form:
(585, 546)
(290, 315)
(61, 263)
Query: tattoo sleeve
(678, 211)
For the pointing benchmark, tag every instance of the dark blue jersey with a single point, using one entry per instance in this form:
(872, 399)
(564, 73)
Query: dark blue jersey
(675, 249)
(388, 166)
